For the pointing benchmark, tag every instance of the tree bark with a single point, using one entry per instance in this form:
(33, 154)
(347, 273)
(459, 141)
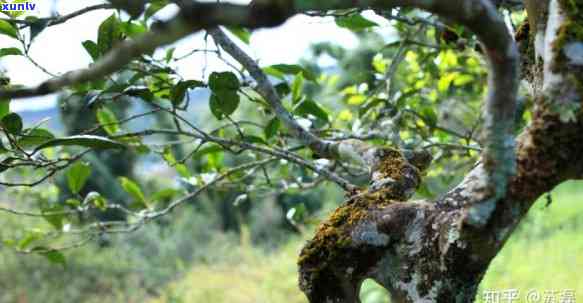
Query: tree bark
(430, 251)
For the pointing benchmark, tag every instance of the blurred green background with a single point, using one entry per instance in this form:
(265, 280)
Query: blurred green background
(189, 261)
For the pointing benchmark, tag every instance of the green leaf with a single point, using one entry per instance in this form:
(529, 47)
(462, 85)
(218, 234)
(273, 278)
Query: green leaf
(278, 70)
(30, 237)
(355, 22)
(430, 116)
(12, 123)
(208, 150)
(5, 164)
(283, 89)
(297, 88)
(77, 176)
(56, 220)
(164, 194)
(73, 202)
(224, 103)
(99, 202)
(133, 189)
(4, 107)
(109, 33)
(179, 90)
(155, 6)
(107, 119)
(133, 29)
(33, 137)
(272, 128)
(171, 160)
(83, 140)
(37, 26)
(369, 105)
(92, 49)
(2, 151)
(223, 81)
(8, 29)
(242, 33)
(309, 107)
(11, 51)
(254, 139)
(55, 257)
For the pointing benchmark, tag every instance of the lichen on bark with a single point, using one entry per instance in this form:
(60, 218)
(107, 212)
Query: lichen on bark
(349, 243)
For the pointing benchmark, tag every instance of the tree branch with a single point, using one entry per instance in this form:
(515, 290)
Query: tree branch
(480, 16)
(322, 148)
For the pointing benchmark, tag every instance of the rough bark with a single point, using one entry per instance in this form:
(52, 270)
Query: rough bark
(429, 251)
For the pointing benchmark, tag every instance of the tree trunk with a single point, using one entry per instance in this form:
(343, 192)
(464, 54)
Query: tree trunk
(432, 251)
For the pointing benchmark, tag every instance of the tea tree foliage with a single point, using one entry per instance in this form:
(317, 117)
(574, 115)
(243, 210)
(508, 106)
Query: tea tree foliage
(472, 104)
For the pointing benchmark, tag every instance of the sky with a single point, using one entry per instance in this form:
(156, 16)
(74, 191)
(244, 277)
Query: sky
(59, 48)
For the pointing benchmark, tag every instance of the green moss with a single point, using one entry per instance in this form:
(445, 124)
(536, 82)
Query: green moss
(332, 246)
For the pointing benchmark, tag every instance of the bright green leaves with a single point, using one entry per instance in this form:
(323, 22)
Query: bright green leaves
(281, 70)
(30, 243)
(77, 176)
(107, 120)
(171, 160)
(242, 33)
(133, 29)
(134, 190)
(12, 123)
(95, 199)
(455, 78)
(213, 154)
(109, 34)
(297, 88)
(7, 29)
(355, 22)
(224, 98)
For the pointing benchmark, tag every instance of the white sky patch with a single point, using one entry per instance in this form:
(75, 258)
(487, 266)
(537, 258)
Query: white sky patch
(59, 48)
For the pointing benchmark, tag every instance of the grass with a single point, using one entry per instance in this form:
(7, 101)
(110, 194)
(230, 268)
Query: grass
(544, 254)
(250, 277)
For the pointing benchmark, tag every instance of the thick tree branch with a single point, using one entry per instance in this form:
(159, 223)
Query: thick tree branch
(56, 20)
(480, 16)
(430, 252)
